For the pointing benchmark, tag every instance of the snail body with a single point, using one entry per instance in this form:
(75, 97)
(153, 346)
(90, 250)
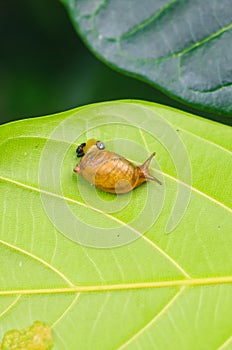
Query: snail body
(108, 170)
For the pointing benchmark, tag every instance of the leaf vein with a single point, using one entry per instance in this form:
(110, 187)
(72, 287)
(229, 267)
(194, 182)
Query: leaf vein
(161, 251)
(66, 310)
(9, 307)
(205, 140)
(226, 344)
(40, 260)
(147, 21)
(155, 319)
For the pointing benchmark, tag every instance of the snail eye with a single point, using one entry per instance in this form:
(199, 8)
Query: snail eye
(100, 145)
(79, 150)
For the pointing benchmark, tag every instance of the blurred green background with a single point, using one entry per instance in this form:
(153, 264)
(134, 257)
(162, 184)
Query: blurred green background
(45, 68)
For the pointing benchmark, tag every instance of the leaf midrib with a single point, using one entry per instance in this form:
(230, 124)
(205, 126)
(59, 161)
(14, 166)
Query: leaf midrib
(188, 282)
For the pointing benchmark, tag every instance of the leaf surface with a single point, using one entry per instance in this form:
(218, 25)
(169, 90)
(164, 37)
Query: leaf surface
(182, 47)
(150, 269)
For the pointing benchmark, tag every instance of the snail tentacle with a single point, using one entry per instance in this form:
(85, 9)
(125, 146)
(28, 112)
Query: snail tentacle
(145, 169)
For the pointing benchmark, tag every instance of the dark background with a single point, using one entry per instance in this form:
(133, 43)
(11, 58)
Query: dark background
(45, 67)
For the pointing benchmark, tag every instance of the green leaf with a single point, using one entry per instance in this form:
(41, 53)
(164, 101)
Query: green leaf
(150, 269)
(182, 47)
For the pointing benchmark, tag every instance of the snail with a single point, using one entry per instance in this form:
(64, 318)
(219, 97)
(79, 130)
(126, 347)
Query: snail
(109, 171)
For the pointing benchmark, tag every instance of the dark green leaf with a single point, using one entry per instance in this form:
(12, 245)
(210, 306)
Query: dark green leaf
(182, 47)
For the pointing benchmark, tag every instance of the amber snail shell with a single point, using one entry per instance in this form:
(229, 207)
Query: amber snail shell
(108, 170)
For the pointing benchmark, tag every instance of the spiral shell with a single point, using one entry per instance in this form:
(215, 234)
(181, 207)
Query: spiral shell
(109, 171)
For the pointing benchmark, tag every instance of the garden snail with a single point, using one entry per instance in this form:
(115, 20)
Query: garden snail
(109, 171)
